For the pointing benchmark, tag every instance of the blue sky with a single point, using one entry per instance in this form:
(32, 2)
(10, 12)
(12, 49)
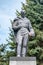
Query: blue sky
(7, 12)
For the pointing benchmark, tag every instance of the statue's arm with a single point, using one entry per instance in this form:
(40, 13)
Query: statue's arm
(15, 25)
(31, 29)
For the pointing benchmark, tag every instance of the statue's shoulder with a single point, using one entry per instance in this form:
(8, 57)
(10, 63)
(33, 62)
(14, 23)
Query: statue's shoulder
(26, 19)
(16, 19)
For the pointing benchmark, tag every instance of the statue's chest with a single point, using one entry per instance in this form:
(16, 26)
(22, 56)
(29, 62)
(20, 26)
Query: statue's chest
(23, 22)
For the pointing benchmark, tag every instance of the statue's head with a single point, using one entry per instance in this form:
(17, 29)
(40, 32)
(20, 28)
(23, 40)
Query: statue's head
(23, 13)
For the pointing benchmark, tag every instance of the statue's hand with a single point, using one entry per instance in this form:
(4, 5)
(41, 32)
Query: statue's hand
(30, 34)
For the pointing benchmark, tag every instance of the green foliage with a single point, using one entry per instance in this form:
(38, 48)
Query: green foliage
(34, 12)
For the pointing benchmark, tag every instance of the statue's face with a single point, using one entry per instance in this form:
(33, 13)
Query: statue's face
(22, 14)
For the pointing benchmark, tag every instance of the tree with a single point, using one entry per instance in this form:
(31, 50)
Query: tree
(11, 44)
(3, 54)
(34, 12)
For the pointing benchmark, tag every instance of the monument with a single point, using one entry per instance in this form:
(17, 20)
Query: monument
(22, 61)
(22, 30)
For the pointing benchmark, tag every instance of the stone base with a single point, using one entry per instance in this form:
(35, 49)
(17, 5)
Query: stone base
(22, 61)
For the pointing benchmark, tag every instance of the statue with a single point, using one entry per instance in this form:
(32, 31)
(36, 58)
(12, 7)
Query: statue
(22, 29)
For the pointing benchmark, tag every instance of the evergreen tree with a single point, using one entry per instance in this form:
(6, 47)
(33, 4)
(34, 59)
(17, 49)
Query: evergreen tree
(3, 60)
(11, 44)
(34, 12)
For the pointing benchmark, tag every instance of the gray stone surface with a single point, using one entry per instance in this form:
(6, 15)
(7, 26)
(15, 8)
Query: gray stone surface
(22, 28)
(22, 61)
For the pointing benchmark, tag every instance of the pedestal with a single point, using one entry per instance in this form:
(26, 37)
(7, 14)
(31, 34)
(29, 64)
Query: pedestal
(22, 61)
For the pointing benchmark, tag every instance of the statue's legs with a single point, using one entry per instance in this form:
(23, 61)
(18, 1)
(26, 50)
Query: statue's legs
(19, 45)
(25, 41)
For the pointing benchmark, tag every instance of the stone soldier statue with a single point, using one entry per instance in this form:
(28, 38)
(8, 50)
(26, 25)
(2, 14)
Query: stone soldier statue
(23, 29)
